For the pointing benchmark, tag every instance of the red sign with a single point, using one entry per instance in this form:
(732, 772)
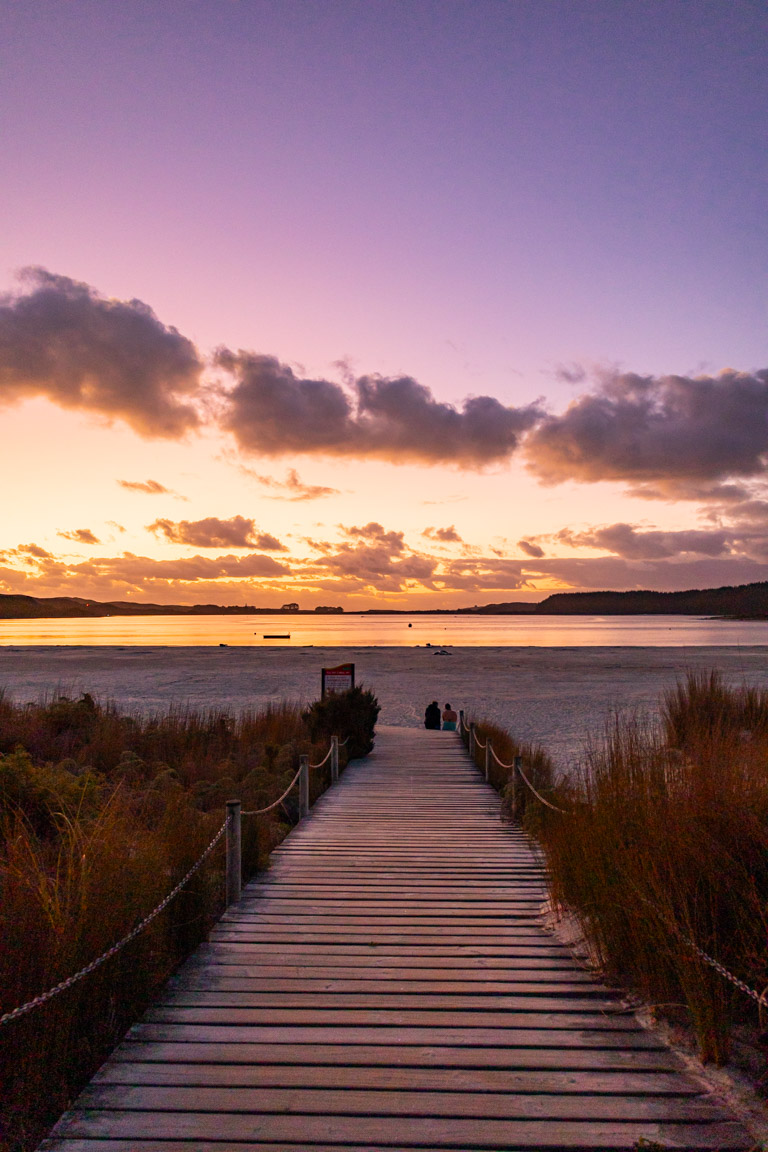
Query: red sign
(338, 679)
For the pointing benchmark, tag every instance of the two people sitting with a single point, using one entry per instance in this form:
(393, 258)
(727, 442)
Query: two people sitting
(432, 717)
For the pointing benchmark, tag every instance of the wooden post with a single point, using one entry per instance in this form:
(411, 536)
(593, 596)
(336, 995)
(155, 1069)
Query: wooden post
(304, 787)
(234, 852)
(461, 723)
(334, 759)
(488, 759)
(516, 763)
(472, 727)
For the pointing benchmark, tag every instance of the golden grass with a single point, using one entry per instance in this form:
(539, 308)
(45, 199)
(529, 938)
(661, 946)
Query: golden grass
(101, 814)
(666, 838)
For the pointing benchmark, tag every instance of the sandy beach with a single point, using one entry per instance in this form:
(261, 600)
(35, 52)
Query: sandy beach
(560, 697)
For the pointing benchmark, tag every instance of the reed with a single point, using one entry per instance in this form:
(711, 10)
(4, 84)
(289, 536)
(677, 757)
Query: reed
(101, 814)
(664, 842)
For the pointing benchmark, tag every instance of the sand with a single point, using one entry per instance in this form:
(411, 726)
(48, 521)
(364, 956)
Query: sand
(559, 697)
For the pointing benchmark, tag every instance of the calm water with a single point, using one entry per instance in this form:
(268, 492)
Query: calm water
(388, 631)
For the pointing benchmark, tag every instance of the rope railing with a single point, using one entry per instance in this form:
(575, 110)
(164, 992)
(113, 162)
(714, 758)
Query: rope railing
(516, 767)
(274, 804)
(62, 986)
(232, 828)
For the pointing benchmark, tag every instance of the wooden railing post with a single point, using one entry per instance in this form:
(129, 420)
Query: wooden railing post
(488, 747)
(471, 749)
(304, 787)
(234, 852)
(517, 762)
(334, 759)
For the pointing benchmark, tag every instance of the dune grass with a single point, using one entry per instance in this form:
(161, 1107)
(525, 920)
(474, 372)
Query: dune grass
(101, 814)
(665, 842)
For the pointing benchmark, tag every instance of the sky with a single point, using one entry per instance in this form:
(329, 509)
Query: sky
(376, 303)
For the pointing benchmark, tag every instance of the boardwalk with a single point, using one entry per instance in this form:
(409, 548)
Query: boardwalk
(386, 985)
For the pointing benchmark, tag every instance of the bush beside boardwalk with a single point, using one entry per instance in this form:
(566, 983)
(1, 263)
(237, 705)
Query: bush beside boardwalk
(101, 814)
(666, 840)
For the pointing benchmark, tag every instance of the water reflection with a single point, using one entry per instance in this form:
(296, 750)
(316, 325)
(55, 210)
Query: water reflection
(352, 630)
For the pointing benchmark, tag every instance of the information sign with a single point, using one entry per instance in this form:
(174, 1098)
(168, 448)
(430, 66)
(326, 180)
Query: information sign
(338, 679)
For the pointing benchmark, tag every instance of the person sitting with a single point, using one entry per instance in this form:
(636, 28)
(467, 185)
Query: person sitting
(432, 715)
(450, 719)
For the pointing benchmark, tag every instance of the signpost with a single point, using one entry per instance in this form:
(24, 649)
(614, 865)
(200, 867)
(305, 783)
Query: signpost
(338, 679)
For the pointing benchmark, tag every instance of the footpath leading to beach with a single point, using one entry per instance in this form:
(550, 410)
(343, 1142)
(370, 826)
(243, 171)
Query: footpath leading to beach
(558, 697)
(387, 983)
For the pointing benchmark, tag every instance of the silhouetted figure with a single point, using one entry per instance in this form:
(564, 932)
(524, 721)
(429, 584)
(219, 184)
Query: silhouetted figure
(432, 715)
(450, 719)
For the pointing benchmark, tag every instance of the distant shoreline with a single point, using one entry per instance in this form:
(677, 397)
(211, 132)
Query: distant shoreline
(742, 602)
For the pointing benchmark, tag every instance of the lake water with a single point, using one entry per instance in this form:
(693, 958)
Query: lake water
(389, 631)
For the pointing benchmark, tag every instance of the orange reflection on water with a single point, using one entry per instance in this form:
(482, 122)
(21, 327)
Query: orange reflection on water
(352, 630)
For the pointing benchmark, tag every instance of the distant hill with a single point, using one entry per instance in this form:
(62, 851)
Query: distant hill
(745, 600)
(63, 607)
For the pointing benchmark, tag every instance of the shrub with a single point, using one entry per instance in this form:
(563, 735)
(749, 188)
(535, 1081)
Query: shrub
(350, 715)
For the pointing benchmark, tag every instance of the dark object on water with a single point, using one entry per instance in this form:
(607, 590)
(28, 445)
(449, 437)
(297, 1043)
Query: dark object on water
(275, 636)
(223, 645)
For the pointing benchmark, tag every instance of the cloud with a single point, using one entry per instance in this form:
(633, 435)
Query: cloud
(660, 434)
(443, 535)
(150, 488)
(80, 536)
(60, 339)
(272, 411)
(626, 541)
(211, 532)
(292, 488)
(35, 551)
(531, 549)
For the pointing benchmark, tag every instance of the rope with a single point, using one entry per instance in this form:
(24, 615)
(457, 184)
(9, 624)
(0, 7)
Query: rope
(761, 998)
(326, 757)
(479, 743)
(538, 794)
(44, 997)
(500, 763)
(343, 743)
(274, 804)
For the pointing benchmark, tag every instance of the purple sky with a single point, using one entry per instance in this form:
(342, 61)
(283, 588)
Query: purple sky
(536, 203)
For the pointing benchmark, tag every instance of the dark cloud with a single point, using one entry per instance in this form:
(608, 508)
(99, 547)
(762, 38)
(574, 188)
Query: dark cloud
(443, 535)
(80, 536)
(34, 550)
(627, 541)
(531, 549)
(665, 433)
(272, 411)
(150, 488)
(211, 532)
(292, 488)
(60, 339)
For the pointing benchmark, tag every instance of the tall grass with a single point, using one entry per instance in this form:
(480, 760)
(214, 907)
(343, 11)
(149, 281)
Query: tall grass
(665, 842)
(101, 814)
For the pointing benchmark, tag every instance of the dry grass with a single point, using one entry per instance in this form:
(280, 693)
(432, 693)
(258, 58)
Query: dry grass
(101, 813)
(666, 837)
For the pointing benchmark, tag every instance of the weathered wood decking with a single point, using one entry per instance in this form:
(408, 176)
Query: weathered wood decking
(387, 985)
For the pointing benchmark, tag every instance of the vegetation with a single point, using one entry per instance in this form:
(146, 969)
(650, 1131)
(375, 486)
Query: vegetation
(665, 845)
(101, 814)
(354, 712)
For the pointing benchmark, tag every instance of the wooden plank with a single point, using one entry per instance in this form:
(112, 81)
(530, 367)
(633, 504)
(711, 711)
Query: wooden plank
(396, 1102)
(416, 1079)
(475, 1037)
(429, 1132)
(391, 1018)
(394, 1055)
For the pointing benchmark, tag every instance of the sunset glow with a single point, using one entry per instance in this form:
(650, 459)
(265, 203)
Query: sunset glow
(395, 304)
